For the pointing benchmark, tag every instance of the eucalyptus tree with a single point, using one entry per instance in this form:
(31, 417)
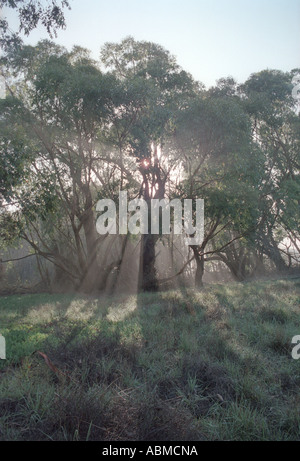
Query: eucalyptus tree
(268, 99)
(55, 119)
(154, 88)
(223, 167)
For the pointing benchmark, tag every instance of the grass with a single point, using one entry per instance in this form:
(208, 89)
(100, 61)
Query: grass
(213, 364)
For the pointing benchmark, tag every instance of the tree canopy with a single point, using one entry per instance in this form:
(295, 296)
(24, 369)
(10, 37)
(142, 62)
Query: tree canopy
(75, 130)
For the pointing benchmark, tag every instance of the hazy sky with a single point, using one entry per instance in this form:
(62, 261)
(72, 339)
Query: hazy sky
(210, 38)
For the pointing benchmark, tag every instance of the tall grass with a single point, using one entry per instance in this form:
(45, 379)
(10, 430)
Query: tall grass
(187, 365)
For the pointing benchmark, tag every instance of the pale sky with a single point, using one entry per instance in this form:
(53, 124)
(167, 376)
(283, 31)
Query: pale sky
(210, 38)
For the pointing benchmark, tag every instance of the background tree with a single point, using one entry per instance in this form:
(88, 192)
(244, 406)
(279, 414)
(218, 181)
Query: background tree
(64, 112)
(221, 166)
(276, 129)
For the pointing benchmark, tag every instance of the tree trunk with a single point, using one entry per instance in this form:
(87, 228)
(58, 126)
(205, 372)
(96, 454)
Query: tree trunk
(148, 276)
(270, 248)
(91, 281)
(199, 268)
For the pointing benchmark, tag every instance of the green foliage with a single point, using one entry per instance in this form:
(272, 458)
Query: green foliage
(32, 13)
(153, 87)
(269, 102)
(73, 133)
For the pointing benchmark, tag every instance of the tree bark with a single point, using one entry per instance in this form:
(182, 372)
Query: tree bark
(148, 277)
(199, 268)
(271, 250)
(90, 281)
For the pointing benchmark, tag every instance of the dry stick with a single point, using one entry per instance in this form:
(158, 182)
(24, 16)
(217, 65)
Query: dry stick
(53, 367)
